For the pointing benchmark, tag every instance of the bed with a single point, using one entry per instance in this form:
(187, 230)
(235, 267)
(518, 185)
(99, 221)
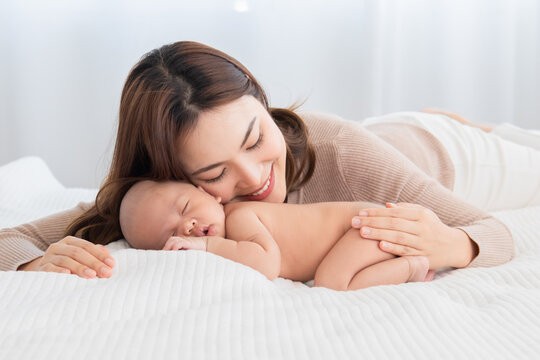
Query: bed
(196, 305)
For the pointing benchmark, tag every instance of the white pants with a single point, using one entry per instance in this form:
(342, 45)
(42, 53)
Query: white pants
(530, 138)
(493, 171)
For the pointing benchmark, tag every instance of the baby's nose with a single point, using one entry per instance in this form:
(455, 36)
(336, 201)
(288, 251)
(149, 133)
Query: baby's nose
(190, 226)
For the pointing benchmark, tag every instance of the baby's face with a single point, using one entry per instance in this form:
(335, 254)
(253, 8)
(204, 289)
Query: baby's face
(152, 212)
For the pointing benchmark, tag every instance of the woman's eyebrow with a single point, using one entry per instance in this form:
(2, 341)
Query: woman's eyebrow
(248, 132)
(209, 167)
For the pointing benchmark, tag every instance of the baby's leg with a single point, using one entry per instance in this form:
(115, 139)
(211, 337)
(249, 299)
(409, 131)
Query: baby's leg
(356, 263)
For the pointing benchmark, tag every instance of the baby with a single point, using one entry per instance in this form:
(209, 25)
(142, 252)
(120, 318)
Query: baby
(297, 242)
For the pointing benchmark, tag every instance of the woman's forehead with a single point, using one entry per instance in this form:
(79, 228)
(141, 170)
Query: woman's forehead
(216, 135)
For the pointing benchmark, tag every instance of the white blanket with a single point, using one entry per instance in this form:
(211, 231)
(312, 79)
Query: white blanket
(194, 305)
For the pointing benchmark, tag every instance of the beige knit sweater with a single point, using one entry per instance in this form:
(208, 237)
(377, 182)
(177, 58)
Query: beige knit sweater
(380, 163)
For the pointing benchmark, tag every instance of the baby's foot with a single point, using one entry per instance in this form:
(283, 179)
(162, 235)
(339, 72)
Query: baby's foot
(430, 275)
(419, 268)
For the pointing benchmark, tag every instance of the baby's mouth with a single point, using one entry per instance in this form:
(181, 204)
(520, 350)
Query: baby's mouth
(206, 230)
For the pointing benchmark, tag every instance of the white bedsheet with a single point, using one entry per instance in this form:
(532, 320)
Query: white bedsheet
(194, 305)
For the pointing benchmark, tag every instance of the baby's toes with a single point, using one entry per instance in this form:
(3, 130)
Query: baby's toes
(418, 267)
(430, 275)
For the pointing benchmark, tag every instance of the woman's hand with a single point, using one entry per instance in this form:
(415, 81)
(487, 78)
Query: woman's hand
(186, 243)
(409, 229)
(72, 255)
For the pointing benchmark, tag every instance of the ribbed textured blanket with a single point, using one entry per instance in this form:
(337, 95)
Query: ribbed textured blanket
(194, 305)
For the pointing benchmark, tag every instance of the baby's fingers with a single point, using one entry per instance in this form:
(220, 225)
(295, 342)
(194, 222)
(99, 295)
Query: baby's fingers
(174, 243)
(169, 244)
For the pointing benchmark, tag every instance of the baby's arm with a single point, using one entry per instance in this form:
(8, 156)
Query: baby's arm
(253, 245)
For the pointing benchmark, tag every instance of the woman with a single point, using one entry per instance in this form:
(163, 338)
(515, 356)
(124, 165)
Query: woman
(191, 112)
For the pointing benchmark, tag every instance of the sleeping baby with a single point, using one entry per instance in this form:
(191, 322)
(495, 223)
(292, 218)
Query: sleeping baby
(298, 242)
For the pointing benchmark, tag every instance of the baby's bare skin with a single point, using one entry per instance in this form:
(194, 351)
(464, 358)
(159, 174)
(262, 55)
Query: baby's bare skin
(297, 242)
(304, 233)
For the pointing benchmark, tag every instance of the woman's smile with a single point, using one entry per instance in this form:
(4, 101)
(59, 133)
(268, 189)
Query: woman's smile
(263, 191)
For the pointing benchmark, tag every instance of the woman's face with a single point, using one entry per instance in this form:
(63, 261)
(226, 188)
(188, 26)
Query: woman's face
(237, 152)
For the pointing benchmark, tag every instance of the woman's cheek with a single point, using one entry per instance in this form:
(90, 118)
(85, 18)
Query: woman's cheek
(224, 191)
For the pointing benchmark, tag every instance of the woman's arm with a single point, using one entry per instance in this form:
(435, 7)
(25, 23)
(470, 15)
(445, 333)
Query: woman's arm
(41, 246)
(376, 171)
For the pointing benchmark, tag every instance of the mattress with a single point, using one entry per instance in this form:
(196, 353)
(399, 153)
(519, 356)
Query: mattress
(196, 305)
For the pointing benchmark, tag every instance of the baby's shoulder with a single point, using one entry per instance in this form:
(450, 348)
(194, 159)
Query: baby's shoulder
(239, 208)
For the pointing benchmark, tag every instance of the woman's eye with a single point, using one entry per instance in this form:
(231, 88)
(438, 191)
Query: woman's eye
(209, 181)
(257, 144)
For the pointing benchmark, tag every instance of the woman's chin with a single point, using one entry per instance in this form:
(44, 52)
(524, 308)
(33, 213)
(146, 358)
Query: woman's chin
(277, 196)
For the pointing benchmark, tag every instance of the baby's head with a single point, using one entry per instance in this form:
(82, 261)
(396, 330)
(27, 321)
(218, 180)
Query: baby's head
(151, 212)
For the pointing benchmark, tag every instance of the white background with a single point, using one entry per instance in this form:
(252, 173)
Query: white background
(63, 62)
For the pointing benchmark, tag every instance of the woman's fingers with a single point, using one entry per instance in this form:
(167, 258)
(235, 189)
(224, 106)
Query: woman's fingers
(392, 236)
(49, 267)
(398, 250)
(390, 223)
(80, 257)
(100, 252)
(407, 213)
(75, 265)
(72, 255)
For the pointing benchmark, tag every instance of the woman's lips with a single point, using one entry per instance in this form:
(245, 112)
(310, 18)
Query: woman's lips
(265, 190)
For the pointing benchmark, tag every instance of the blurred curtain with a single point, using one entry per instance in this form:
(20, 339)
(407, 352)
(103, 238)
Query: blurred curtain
(63, 63)
(479, 57)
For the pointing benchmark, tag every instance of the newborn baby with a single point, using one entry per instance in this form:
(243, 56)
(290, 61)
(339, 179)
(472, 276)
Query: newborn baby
(297, 242)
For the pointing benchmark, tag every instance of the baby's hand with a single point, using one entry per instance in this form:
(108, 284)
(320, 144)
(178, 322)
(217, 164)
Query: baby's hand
(186, 243)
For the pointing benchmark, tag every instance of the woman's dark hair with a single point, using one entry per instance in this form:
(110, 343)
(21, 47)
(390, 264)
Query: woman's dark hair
(162, 98)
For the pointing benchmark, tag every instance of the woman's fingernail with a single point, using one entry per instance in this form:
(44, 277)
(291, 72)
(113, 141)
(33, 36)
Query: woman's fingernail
(385, 245)
(356, 221)
(109, 262)
(363, 213)
(89, 273)
(366, 231)
(104, 271)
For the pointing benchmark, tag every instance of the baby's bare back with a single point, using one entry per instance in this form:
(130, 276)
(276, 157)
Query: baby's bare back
(304, 233)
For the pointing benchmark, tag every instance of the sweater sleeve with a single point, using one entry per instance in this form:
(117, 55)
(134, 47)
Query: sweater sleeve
(27, 242)
(375, 171)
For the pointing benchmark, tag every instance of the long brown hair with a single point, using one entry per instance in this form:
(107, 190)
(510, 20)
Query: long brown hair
(162, 98)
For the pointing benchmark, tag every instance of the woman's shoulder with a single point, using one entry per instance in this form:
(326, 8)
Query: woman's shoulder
(323, 126)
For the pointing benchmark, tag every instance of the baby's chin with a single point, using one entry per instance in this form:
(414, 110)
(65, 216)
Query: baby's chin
(216, 230)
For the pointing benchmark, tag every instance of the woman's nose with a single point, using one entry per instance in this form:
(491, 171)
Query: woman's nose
(189, 227)
(250, 175)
